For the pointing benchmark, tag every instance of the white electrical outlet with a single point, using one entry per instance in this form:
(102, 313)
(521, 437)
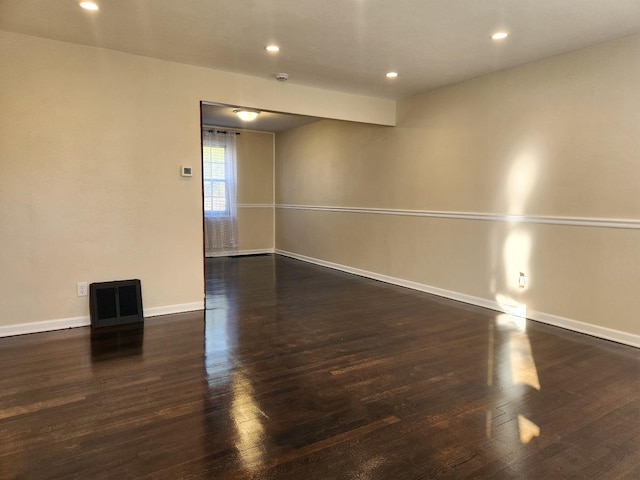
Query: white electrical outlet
(523, 280)
(82, 289)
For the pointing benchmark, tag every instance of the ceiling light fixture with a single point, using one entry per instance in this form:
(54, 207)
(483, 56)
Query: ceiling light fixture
(246, 115)
(392, 75)
(272, 48)
(499, 36)
(90, 6)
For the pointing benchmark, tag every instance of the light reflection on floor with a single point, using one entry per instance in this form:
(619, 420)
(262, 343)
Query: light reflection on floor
(523, 367)
(218, 343)
(226, 374)
(516, 367)
(527, 429)
(247, 418)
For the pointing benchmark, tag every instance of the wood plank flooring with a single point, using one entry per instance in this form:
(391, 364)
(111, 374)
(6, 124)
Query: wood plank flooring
(299, 372)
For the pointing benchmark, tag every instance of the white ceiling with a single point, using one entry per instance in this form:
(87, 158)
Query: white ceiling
(345, 45)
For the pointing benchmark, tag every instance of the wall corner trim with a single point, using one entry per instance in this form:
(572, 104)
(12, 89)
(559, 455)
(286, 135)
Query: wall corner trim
(549, 319)
(85, 321)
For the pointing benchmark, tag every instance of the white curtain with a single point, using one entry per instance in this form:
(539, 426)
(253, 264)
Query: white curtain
(220, 203)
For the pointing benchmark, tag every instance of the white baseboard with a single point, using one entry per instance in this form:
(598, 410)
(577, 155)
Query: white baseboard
(586, 328)
(237, 253)
(566, 323)
(169, 309)
(44, 326)
(74, 322)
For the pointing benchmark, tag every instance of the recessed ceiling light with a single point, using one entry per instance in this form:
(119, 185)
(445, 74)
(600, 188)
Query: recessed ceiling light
(89, 6)
(392, 74)
(272, 48)
(499, 36)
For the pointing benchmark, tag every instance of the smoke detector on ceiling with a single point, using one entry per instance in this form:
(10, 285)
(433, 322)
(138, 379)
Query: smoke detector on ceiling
(282, 77)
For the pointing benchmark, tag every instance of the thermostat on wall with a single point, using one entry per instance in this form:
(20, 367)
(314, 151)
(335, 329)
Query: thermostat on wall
(186, 171)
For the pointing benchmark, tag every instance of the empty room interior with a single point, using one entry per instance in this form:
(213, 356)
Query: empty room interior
(350, 239)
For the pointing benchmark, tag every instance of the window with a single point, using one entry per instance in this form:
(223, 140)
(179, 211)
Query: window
(219, 190)
(214, 180)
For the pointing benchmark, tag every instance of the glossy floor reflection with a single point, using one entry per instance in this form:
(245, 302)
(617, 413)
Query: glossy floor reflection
(366, 380)
(116, 341)
(299, 372)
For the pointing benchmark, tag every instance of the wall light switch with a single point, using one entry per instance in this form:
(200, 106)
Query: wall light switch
(186, 171)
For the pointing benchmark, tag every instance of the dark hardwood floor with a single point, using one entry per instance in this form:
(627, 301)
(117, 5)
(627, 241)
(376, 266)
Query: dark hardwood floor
(299, 372)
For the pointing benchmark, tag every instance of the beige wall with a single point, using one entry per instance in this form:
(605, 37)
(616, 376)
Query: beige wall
(558, 138)
(255, 191)
(91, 143)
